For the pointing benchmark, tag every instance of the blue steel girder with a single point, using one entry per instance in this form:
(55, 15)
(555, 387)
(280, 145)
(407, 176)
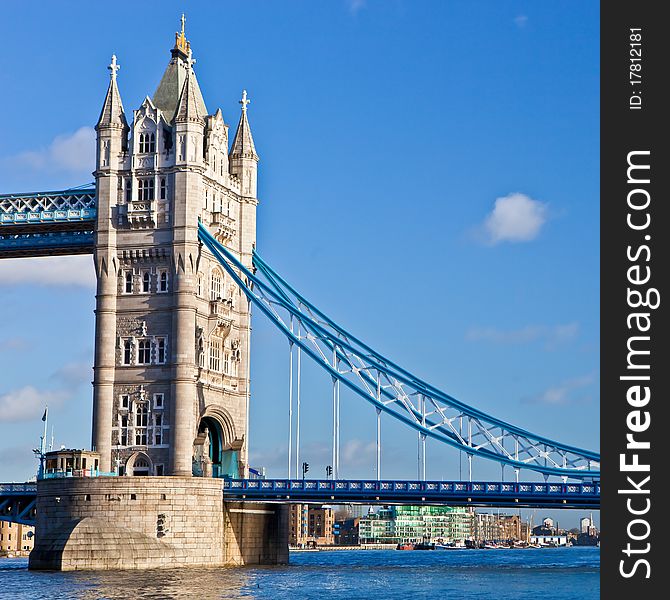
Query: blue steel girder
(32, 203)
(18, 503)
(47, 223)
(454, 493)
(394, 390)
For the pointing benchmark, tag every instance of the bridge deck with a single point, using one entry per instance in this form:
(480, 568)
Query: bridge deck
(459, 493)
(17, 500)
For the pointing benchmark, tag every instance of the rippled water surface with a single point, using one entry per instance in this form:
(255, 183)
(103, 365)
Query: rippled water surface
(556, 573)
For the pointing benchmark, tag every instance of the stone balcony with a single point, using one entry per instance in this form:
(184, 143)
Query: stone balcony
(140, 213)
(224, 227)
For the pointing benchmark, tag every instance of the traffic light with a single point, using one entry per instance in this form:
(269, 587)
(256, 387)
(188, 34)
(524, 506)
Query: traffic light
(329, 471)
(305, 468)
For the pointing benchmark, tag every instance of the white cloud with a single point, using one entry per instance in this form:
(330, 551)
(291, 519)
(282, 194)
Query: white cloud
(521, 21)
(551, 335)
(355, 6)
(50, 271)
(514, 218)
(73, 152)
(27, 403)
(561, 394)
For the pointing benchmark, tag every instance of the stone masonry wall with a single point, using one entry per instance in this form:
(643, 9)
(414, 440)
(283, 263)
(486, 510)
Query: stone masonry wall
(151, 522)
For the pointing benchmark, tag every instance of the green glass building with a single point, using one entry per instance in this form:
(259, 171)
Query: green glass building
(402, 524)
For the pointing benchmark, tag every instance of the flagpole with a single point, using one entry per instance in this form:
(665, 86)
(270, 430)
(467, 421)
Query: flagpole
(43, 445)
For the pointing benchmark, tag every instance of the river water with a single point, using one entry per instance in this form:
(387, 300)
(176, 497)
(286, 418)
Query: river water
(556, 573)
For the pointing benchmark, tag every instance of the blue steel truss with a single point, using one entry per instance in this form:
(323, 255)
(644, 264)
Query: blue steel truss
(454, 493)
(47, 223)
(18, 502)
(394, 390)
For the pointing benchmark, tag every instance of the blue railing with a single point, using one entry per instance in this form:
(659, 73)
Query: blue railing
(48, 216)
(475, 493)
(78, 473)
(7, 489)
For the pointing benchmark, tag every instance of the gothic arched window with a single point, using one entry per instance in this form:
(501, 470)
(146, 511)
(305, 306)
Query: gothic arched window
(147, 143)
(144, 352)
(127, 352)
(141, 417)
(215, 355)
(216, 285)
(145, 190)
(160, 350)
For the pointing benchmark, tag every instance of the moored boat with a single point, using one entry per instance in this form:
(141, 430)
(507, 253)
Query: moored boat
(406, 546)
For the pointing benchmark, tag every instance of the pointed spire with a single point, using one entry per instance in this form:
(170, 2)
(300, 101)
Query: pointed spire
(191, 106)
(112, 109)
(243, 144)
(170, 90)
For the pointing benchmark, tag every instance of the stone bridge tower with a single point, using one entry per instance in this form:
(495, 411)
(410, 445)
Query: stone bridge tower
(171, 375)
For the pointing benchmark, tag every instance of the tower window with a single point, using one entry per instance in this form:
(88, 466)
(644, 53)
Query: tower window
(146, 281)
(125, 401)
(127, 352)
(147, 142)
(199, 285)
(163, 281)
(215, 355)
(163, 194)
(129, 190)
(216, 285)
(142, 416)
(161, 351)
(128, 283)
(226, 362)
(145, 189)
(158, 400)
(144, 352)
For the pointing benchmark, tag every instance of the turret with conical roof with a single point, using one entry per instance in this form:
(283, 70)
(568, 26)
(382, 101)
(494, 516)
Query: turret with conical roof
(112, 114)
(243, 157)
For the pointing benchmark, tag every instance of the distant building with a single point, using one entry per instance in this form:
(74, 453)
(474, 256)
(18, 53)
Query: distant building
(311, 525)
(549, 540)
(584, 525)
(347, 532)
(402, 524)
(548, 535)
(493, 527)
(588, 533)
(16, 539)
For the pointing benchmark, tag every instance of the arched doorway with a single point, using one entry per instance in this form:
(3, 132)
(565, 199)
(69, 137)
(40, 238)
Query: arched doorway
(139, 465)
(212, 447)
(216, 449)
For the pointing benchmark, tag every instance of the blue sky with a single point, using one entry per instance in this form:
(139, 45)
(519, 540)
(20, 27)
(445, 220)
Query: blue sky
(429, 177)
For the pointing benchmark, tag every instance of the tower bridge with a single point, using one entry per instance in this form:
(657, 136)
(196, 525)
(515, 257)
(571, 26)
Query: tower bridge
(171, 225)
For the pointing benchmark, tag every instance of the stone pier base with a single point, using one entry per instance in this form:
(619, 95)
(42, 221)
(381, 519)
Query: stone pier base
(152, 522)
